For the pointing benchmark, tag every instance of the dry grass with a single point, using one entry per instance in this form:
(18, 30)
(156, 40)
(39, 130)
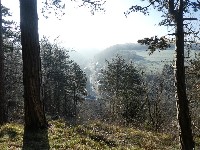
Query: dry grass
(93, 136)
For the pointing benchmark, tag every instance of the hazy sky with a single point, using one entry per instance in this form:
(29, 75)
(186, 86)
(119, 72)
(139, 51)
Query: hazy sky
(79, 29)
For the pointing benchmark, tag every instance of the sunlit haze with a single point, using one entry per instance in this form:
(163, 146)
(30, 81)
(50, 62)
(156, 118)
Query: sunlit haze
(81, 30)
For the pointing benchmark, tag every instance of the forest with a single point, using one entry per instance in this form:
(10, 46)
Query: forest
(123, 98)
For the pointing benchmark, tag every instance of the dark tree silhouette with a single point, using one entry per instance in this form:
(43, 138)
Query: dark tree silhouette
(3, 107)
(34, 112)
(186, 138)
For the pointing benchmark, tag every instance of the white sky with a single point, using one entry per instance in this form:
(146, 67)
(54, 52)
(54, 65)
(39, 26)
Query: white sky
(79, 29)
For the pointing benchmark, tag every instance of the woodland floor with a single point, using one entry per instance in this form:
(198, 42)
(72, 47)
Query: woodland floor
(91, 136)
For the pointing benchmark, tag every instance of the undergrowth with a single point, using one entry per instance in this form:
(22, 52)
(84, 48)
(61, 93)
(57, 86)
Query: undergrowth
(91, 136)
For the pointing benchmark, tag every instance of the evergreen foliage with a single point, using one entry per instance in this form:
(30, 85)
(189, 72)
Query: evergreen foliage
(121, 86)
(63, 80)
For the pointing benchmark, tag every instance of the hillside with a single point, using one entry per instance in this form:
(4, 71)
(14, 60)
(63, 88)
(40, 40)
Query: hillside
(91, 136)
(125, 50)
(138, 54)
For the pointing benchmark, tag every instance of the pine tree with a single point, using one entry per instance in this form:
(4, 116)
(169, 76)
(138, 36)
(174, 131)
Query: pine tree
(121, 85)
(3, 101)
(34, 112)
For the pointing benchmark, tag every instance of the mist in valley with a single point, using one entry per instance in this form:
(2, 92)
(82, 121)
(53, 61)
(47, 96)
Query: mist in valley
(98, 79)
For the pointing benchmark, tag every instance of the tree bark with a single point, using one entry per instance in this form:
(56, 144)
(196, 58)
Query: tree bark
(186, 138)
(34, 112)
(3, 102)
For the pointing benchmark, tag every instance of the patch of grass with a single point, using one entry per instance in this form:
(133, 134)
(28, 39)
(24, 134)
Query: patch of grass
(91, 136)
(11, 136)
(197, 140)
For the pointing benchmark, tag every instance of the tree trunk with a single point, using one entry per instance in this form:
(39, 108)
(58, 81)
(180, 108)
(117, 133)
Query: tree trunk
(75, 103)
(3, 102)
(186, 138)
(34, 113)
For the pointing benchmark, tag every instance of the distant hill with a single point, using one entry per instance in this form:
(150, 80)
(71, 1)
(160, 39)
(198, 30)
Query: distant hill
(127, 46)
(128, 51)
(136, 53)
